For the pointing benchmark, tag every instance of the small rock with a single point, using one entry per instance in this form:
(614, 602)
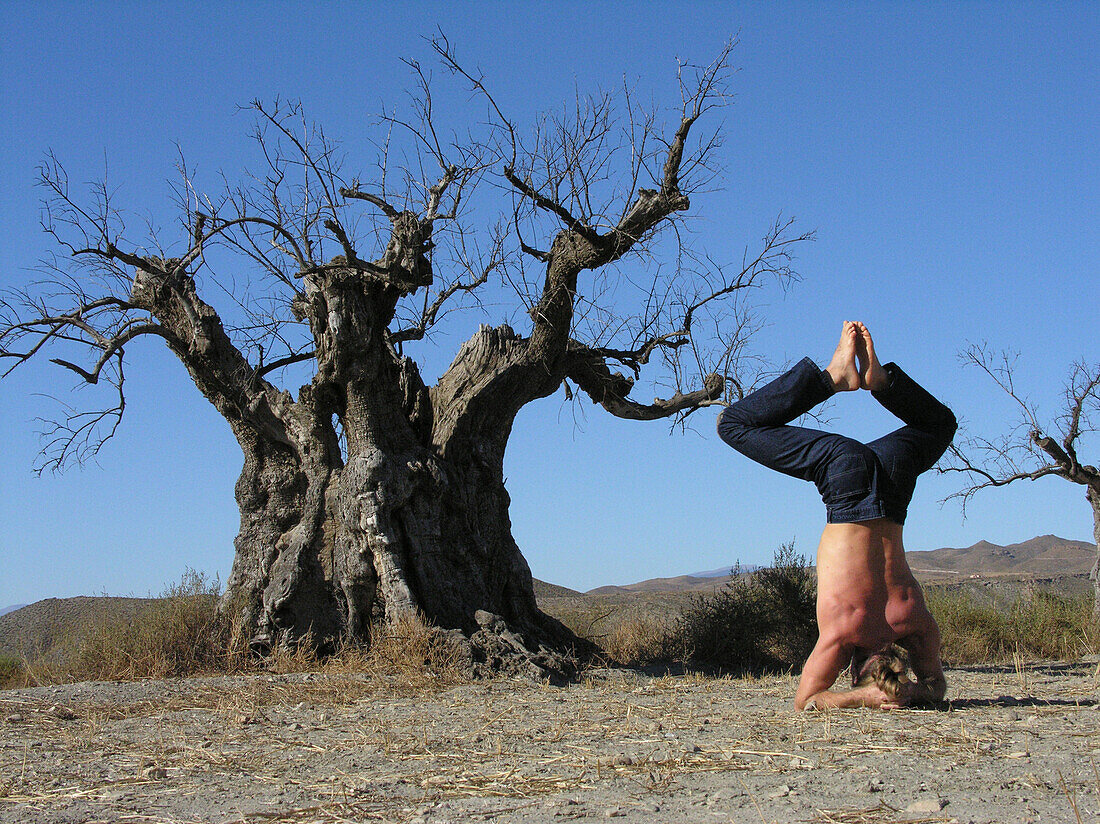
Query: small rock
(614, 812)
(926, 805)
(781, 792)
(727, 792)
(14, 718)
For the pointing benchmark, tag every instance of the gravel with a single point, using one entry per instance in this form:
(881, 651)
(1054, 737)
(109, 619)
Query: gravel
(1011, 746)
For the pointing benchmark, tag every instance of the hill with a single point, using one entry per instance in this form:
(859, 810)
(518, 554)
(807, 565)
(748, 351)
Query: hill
(544, 590)
(1046, 556)
(679, 583)
(41, 629)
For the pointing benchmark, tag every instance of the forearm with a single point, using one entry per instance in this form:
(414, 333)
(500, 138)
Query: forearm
(844, 699)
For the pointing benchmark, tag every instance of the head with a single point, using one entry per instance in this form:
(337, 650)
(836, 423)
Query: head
(888, 668)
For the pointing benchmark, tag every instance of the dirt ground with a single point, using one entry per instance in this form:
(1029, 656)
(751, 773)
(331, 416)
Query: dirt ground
(1013, 745)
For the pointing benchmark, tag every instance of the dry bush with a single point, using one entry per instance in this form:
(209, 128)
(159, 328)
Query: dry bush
(414, 653)
(409, 653)
(641, 638)
(11, 672)
(762, 622)
(183, 634)
(1038, 625)
(180, 635)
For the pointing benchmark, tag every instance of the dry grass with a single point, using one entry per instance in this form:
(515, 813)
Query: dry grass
(1038, 625)
(758, 623)
(766, 623)
(178, 634)
(183, 634)
(641, 638)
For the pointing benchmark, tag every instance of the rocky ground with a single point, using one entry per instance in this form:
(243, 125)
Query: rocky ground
(1013, 745)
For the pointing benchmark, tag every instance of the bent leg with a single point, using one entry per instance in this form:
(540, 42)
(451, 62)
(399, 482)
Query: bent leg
(914, 448)
(756, 426)
(930, 425)
(845, 471)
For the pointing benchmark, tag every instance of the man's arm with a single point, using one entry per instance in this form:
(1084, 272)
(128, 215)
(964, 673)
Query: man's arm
(924, 657)
(820, 672)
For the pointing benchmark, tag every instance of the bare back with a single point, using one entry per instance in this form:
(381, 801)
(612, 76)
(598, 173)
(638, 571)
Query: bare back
(867, 591)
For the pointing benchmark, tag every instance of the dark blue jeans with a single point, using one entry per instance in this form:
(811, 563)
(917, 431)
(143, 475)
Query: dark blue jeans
(857, 482)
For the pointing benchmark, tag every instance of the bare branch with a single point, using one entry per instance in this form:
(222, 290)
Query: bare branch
(385, 207)
(1045, 455)
(610, 390)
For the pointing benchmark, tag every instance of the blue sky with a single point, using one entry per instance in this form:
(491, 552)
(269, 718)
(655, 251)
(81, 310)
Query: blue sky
(945, 154)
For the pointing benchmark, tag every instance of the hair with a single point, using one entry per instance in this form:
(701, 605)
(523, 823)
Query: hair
(887, 669)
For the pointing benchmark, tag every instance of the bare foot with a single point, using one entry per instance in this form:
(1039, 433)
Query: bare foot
(871, 374)
(842, 368)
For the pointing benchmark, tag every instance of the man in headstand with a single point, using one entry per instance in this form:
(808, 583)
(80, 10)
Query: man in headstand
(867, 597)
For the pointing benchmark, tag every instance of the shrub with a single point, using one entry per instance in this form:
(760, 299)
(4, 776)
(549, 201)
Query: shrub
(1039, 624)
(765, 621)
(11, 671)
(641, 638)
(178, 634)
(182, 633)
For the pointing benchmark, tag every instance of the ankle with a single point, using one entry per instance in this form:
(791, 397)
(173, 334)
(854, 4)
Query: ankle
(837, 378)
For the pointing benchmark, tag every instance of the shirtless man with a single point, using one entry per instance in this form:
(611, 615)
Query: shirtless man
(867, 596)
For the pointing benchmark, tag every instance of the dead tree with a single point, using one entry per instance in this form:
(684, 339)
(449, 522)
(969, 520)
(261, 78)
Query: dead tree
(367, 494)
(1034, 450)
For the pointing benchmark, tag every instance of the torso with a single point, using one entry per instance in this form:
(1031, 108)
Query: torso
(861, 570)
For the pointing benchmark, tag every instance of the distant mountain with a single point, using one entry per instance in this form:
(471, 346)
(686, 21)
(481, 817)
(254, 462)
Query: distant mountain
(13, 608)
(1045, 556)
(724, 572)
(681, 583)
(544, 590)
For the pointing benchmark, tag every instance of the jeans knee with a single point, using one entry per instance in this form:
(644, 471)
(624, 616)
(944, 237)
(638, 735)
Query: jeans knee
(731, 424)
(950, 427)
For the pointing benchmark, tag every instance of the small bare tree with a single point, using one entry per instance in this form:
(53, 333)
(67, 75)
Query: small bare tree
(1034, 450)
(367, 495)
